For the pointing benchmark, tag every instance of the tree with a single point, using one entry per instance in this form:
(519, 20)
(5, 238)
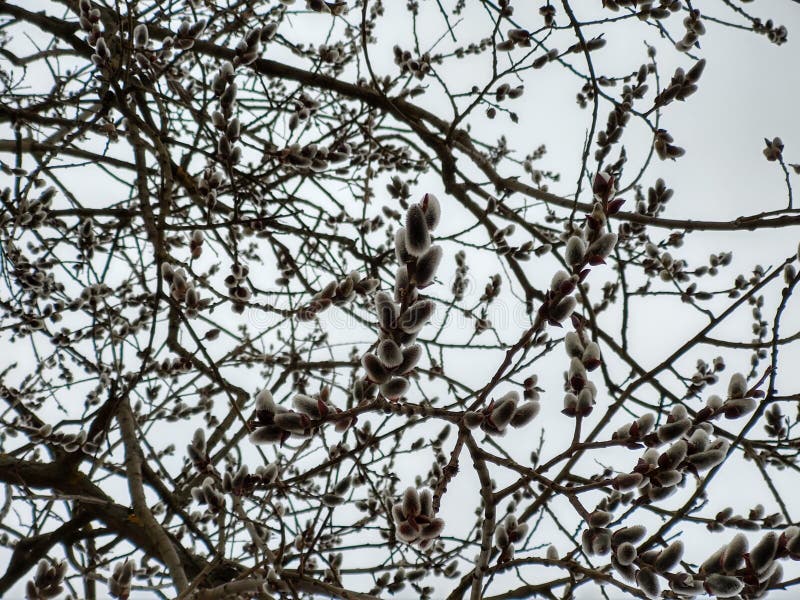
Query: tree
(284, 318)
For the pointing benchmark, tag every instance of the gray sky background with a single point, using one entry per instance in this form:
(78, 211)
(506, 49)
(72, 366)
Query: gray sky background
(749, 91)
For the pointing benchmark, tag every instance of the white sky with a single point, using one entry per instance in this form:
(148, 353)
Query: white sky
(748, 92)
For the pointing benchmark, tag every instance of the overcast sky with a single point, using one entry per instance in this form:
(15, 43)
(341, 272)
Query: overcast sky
(749, 91)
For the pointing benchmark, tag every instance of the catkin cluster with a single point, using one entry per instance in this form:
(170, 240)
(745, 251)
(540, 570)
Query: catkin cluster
(403, 315)
(688, 448)
(414, 519)
(47, 582)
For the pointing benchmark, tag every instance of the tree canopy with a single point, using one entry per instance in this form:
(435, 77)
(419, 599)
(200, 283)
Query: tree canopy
(425, 299)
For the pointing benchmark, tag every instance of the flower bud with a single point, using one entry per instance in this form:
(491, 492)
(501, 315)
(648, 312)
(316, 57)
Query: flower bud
(600, 518)
(601, 543)
(238, 480)
(416, 316)
(386, 310)
(685, 585)
(266, 435)
(733, 409)
(374, 368)
(291, 421)
(512, 395)
(306, 405)
(698, 440)
(591, 356)
(401, 283)
(525, 414)
(331, 500)
(270, 473)
(602, 246)
(577, 373)
(627, 481)
(693, 74)
(626, 553)
(645, 423)
(426, 503)
(405, 532)
(417, 237)
(400, 250)
(666, 479)
(792, 535)
(264, 402)
(673, 456)
(167, 272)
(390, 354)
(432, 210)
(669, 557)
(723, 586)
(789, 273)
(734, 553)
(472, 419)
(432, 529)
(343, 425)
(140, 36)
(563, 309)
(672, 431)
(631, 534)
(228, 96)
(707, 459)
(394, 388)
(192, 298)
(737, 387)
(345, 287)
(411, 356)
(570, 404)
(574, 251)
(763, 553)
(501, 536)
(412, 506)
(367, 285)
(678, 412)
(648, 582)
(427, 265)
(502, 413)
(573, 344)
(559, 279)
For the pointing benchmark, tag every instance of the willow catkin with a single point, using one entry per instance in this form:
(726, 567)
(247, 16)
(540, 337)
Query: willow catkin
(374, 368)
(574, 251)
(669, 557)
(737, 387)
(427, 264)
(525, 414)
(723, 586)
(416, 316)
(417, 236)
(401, 283)
(306, 405)
(140, 36)
(503, 412)
(763, 553)
(411, 356)
(265, 402)
(390, 353)
(400, 250)
(386, 310)
(602, 246)
(432, 210)
(734, 553)
(394, 387)
(411, 503)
